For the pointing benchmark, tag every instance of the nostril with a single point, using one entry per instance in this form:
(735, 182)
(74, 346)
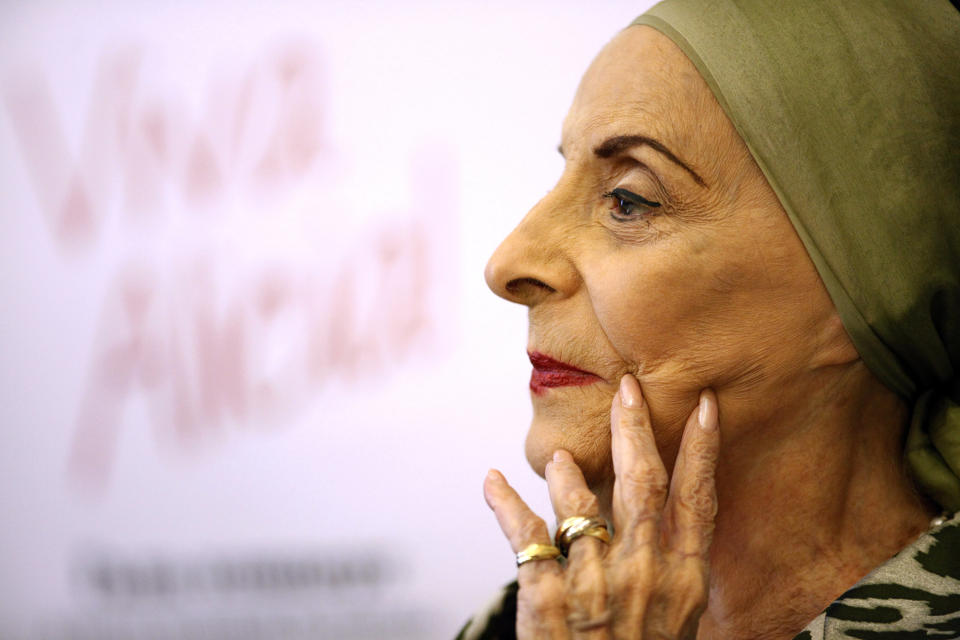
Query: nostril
(520, 286)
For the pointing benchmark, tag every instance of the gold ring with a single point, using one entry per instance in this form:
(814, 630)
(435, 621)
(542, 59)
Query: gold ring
(537, 552)
(575, 526)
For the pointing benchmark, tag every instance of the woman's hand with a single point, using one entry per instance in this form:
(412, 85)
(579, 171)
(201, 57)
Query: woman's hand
(652, 579)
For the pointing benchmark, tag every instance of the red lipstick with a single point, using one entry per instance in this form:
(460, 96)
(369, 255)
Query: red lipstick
(548, 373)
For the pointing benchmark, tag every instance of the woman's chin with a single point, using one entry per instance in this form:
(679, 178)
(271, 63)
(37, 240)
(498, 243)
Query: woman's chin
(537, 454)
(585, 434)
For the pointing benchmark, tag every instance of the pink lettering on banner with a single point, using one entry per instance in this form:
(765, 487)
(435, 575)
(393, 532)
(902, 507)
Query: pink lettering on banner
(207, 344)
(70, 187)
(139, 146)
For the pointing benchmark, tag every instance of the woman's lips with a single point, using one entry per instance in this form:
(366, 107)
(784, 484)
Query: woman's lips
(548, 373)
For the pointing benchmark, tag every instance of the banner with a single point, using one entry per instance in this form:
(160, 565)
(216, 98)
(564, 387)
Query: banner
(252, 378)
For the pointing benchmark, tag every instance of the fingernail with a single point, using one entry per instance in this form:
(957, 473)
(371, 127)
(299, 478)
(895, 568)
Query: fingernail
(560, 456)
(630, 395)
(494, 475)
(708, 411)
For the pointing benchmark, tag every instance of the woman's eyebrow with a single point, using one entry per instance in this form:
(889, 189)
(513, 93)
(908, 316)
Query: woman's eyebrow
(617, 144)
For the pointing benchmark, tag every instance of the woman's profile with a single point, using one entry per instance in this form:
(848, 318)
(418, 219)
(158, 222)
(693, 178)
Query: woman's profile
(744, 329)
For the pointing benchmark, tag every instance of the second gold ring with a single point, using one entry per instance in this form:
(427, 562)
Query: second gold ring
(575, 526)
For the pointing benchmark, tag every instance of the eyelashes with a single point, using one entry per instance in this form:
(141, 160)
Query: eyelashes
(629, 206)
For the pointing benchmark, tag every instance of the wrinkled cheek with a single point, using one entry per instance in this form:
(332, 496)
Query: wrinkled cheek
(655, 322)
(660, 343)
(638, 333)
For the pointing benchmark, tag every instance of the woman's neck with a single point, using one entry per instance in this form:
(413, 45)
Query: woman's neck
(809, 503)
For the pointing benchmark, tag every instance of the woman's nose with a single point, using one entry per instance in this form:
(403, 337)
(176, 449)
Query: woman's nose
(530, 265)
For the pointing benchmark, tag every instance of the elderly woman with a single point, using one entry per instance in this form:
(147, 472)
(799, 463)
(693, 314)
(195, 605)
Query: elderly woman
(754, 252)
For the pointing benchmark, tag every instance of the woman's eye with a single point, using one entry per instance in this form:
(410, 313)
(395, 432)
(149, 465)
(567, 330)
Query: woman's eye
(628, 205)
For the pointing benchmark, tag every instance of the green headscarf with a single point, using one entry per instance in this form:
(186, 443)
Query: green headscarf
(852, 111)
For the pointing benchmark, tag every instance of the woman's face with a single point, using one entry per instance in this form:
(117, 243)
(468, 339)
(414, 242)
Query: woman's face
(661, 252)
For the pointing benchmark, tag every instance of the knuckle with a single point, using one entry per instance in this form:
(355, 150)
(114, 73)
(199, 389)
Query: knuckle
(704, 453)
(631, 419)
(631, 598)
(690, 588)
(630, 581)
(646, 480)
(583, 502)
(684, 610)
(544, 594)
(532, 529)
(586, 583)
(678, 604)
(699, 499)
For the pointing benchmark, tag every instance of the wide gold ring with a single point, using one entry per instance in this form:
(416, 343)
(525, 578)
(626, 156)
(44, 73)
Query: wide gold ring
(575, 526)
(537, 552)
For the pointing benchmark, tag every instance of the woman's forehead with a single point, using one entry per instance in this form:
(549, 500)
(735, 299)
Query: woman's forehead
(641, 82)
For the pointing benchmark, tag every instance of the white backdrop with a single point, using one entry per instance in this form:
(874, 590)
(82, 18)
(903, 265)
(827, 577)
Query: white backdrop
(251, 376)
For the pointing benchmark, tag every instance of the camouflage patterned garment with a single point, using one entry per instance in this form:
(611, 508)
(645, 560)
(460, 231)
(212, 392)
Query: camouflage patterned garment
(913, 596)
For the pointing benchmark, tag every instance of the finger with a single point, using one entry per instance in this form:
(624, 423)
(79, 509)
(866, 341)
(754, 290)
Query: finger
(521, 525)
(640, 484)
(584, 578)
(569, 493)
(675, 612)
(692, 506)
(541, 603)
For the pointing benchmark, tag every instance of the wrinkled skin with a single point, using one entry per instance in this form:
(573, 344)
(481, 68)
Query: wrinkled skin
(708, 297)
